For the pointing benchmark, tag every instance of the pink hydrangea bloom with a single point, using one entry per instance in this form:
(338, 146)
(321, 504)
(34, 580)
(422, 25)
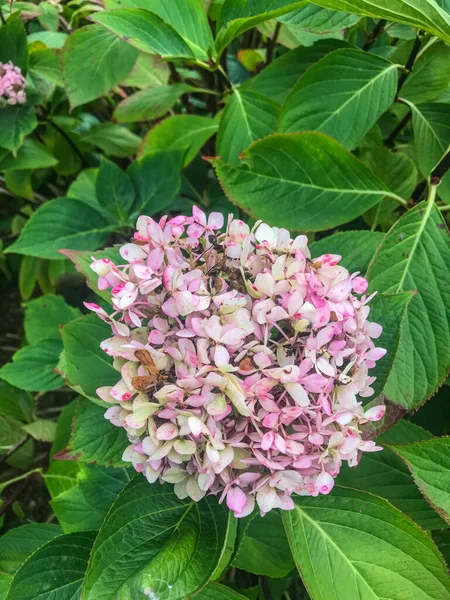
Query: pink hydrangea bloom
(12, 84)
(241, 361)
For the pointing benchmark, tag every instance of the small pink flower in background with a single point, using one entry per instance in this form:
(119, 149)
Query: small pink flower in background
(12, 84)
(243, 360)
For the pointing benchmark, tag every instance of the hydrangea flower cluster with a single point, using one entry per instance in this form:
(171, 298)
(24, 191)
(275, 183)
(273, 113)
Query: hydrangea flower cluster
(241, 360)
(12, 84)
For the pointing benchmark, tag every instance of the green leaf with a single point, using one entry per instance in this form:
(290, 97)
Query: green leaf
(28, 275)
(149, 71)
(302, 182)
(84, 506)
(152, 541)
(431, 125)
(157, 180)
(356, 248)
(94, 61)
(146, 31)
(63, 429)
(429, 463)
(351, 545)
(319, 20)
(262, 547)
(248, 117)
(94, 439)
(114, 140)
(83, 261)
(15, 403)
(31, 155)
(431, 15)
(5, 582)
(41, 430)
(415, 256)
(114, 191)
(11, 434)
(16, 122)
(83, 188)
(390, 311)
(342, 95)
(400, 175)
(62, 223)
(45, 63)
(70, 553)
(61, 476)
(87, 365)
(180, 132)
(186, 17)
(43, 317)
(52, 39)
(238, 17)
(18, 544)
(277, 80)
(384, 474)
(13, 44)
(33, 367)
(151, 103)
(430, 75)
(215, 591)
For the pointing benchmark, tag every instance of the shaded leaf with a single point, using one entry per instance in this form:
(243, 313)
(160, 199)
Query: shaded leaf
(33, 367)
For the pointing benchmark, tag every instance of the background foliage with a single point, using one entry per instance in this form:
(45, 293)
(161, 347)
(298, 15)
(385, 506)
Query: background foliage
(330, 118)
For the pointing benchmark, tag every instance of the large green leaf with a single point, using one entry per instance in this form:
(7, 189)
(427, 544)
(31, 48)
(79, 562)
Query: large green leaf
(16, 122)
(33, 367)
(187, 17)
(62, 223)
(43, 317)
(277, 80)
(180, 132)
(248, 117)
(431, 15)
(153, 542)
(390, 311)
(415, 256)
(351, 545)
(31, 155)
(114, 140)
(19, 543)
(114, 191)
(146, 31)
(94, 61)
(87, 365)
(342, 95)
(262, 547)
(315, 19)
(94, 439)
(399, 173)
(431, 125)
(238, 17)
(45, 63)
(55, 571)
(13, 44)
(83, 261)
(430, 75)
(15, 402)
(303, 182)
(215, 591)
(84, 506)
(429, 463)
(384, 474)
(356, 248)
(151, 103)
(156, 179)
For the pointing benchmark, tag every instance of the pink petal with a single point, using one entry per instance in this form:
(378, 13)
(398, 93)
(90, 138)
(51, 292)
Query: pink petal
(236, 499)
